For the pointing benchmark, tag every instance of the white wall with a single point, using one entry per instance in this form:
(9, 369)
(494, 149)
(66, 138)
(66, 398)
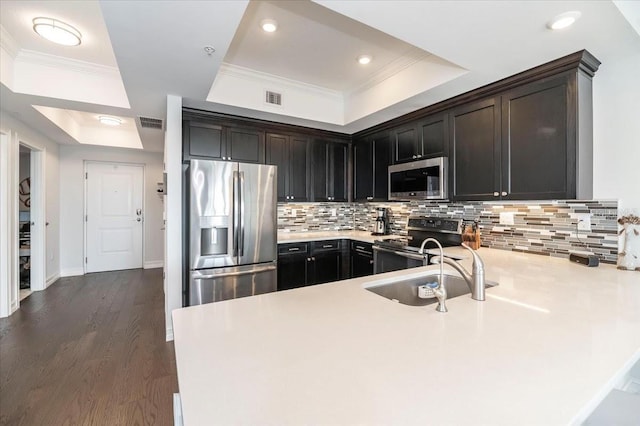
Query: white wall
(173, 235)
(72, 158)
(18, 132)
(616, 127)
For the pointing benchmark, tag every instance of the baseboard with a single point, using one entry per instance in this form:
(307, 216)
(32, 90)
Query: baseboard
(71, 272)
(14, 307)
(169, 334)
(52, 279)
(152, 264)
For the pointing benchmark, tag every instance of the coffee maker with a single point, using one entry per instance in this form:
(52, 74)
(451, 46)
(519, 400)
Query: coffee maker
(381, 225)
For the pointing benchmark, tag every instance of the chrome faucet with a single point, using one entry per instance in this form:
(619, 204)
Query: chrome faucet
(475, 279)
(440, 291)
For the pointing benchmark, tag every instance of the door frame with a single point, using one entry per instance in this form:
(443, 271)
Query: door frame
(86, 205)
(9, 220)
(37, 216)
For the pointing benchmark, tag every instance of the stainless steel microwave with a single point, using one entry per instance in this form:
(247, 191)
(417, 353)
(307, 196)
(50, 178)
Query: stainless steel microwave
(419, 180)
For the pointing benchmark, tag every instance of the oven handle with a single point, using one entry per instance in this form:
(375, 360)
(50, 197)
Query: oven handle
(400, 253)
(199, 276)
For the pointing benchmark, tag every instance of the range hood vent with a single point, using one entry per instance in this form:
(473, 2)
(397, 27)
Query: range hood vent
(150, 123)
(273, 98)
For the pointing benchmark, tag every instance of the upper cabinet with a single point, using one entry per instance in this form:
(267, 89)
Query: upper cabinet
(329, 161)
(434, 133)
(427, 137)
(407, 144)
(523, 144)
(474, 164)
(291, 154)
(202, 139)
(538, 156)
(371, 159)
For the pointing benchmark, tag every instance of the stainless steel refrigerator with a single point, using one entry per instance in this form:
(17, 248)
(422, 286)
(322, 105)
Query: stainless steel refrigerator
(232, 230)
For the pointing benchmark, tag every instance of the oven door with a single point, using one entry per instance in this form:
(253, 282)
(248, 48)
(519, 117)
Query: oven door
(387, 260)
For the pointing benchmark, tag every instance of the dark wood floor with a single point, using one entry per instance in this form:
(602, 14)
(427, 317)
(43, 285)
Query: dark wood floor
(89, 350)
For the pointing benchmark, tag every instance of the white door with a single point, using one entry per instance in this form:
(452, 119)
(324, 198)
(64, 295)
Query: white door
(114, 217)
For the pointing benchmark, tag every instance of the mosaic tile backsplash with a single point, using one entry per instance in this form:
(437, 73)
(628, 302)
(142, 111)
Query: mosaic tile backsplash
(546, 228)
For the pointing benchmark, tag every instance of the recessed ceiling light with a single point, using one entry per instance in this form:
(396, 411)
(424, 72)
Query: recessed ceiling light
(109, 121)
(269, 25)
(364, 59)
(563, 20)
(57, 31)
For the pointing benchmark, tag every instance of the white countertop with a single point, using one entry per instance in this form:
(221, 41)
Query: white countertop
(298, 237)
(544, 348)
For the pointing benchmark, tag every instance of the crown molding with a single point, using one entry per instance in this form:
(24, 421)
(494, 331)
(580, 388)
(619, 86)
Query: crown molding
(389, 70)
(8, 43)
(266, 78)
(44, 59)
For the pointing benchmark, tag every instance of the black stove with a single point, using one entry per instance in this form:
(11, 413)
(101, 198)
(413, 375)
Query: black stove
(447, 231)
(400, 253)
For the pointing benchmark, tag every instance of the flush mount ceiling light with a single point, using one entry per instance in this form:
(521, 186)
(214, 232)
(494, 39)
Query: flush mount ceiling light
(269, 25)
(57, 31)
(364, 59)
(109, 121)
(563, 20)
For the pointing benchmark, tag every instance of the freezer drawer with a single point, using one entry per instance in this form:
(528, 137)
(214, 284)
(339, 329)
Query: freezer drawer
(215, 285)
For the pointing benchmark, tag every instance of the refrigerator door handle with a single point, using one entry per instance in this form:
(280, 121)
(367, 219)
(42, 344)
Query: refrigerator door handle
(236, 210)
(199, 276)
(242, 206)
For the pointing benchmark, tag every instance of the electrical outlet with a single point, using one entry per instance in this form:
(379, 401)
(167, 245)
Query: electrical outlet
(294, 212)
(334, 212)
(584, 221)
(506, 218)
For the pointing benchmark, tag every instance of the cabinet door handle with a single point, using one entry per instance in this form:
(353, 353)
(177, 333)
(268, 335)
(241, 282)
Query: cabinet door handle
(371, 262)
(308, 259)
(496, 194)
(414, 157)
(504, 193)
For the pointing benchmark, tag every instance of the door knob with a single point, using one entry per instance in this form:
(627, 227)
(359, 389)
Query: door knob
(138, 212)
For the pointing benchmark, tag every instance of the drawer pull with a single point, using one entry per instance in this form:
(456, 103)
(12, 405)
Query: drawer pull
(327, 246)
(294, 249)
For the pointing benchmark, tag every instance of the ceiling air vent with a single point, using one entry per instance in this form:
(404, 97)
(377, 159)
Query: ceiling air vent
(273, 98)
(150, 123)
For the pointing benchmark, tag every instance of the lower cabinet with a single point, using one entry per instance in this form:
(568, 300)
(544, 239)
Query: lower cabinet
(318, 262)
(361, 259)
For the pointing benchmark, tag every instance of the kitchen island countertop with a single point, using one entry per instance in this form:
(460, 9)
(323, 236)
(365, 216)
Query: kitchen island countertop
(544, 348)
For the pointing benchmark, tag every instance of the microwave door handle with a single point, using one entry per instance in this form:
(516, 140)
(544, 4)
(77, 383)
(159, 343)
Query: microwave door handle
(241, 191)
(236, 210)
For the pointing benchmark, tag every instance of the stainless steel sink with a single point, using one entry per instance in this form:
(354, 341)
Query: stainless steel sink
(406, 291)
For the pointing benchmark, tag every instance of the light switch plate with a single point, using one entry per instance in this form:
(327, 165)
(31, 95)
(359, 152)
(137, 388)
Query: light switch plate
(506, 218)
(584, 221)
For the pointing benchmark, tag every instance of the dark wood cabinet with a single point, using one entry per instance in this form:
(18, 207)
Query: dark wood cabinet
(521, 145)
(293, 265)
(245, 145)
(407, 144)
(203, 140)
(434, 133)
(329, 171)
(361, 259)
(538, 143)
(475, 151)
(371, 159)
(219, 142)
(309, 263)
(290, 154)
